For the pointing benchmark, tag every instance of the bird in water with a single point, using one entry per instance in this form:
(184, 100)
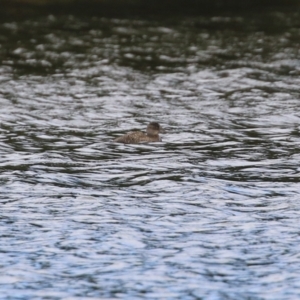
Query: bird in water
(136, 137)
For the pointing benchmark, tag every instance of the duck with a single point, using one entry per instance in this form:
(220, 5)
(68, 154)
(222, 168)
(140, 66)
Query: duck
(137, 137)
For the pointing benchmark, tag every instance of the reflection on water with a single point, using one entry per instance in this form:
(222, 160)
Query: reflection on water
(209, 213)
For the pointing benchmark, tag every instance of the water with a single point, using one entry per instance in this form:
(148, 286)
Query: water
(212, 212)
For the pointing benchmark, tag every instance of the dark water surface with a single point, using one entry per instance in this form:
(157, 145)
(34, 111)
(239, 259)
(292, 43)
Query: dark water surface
(212, 212)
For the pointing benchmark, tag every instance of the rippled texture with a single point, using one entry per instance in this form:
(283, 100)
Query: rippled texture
(209, 213)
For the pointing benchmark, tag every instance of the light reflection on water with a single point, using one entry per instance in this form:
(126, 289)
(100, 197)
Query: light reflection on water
(211, 212)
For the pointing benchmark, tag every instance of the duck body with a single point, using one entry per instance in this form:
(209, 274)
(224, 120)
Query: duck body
(137, 137)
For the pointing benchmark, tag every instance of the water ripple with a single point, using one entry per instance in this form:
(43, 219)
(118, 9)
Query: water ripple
(210, 212)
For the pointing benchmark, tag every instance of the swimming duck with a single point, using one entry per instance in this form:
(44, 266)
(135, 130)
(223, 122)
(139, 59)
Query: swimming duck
(136, 137)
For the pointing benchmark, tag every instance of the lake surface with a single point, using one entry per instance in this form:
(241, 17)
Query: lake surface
(211, 212)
